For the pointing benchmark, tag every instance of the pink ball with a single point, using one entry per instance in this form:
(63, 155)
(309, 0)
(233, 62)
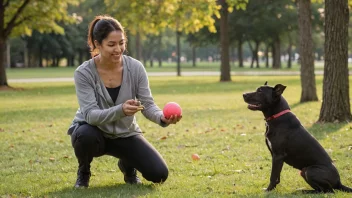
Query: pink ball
(172, 108)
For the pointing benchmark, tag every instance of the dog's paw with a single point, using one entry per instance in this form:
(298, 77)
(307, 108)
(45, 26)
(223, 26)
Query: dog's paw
(269, 188)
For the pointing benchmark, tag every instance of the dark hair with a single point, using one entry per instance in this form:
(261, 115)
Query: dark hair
(100, 28)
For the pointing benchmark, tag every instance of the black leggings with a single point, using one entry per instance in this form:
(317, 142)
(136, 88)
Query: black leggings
(134, 152)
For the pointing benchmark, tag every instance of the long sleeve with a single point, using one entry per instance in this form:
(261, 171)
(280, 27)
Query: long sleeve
(87, 100)
(151, 111)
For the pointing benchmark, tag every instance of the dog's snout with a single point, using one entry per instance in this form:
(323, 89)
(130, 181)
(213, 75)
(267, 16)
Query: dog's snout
(245, 95)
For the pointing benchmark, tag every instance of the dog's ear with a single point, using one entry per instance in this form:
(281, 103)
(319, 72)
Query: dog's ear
(266, 83)
(279, 89)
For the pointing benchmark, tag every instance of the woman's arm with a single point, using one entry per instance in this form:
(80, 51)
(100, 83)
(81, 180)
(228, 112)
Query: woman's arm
(87, 100)
(143, 93)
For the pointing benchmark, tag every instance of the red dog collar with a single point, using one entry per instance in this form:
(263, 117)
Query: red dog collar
(277, 115)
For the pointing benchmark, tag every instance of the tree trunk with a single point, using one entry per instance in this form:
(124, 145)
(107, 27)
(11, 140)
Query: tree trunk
(224, 42)
(194, 56)
(160, 61)
(266, 54)
(80, 56)
(26, 57)
(8, 54)
(178, 46)
(3, 78)
(309, 91)
(256, 49)
(289, 51)
(144, 60)
(276, 53)
(252, 51)
(40, 54)
(159, 49)
(138, 47)
(336, 100)
(151, 61)
(240, 53)
(233, 56)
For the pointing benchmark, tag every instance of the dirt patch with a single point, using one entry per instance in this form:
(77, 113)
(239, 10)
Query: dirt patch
(9, 88)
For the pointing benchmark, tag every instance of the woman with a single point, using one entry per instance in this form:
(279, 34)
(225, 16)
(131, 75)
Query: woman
(111, 88)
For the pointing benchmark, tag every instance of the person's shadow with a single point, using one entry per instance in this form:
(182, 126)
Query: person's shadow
(118, 190)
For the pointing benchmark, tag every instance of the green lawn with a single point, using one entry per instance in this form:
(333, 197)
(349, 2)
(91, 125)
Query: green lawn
(52, 72)
(37, 159)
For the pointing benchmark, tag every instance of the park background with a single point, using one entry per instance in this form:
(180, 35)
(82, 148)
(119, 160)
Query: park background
(202, 54)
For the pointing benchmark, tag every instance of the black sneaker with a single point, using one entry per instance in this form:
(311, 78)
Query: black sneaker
(129, 177)
(82, 180)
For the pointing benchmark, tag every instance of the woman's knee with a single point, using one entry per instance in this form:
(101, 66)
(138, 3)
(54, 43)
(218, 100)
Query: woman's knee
(85, 136)
(157, 175)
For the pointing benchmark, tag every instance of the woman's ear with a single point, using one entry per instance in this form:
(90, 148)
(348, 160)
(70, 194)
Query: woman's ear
(97, 44)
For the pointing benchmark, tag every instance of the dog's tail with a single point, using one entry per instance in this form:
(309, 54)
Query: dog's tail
(344, 188)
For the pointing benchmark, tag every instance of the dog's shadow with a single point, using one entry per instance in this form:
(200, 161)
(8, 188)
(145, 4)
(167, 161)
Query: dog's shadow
(118, 190)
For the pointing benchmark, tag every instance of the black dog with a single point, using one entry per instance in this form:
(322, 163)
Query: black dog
(288, 141)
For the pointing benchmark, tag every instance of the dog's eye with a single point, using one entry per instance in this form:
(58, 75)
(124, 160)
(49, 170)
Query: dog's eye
(259, 90)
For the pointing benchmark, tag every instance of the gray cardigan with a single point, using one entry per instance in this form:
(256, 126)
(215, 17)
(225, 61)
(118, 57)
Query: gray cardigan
(97, 108)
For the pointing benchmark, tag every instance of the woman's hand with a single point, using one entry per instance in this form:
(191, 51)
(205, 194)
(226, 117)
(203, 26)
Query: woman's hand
(172, 120)
(130, 107)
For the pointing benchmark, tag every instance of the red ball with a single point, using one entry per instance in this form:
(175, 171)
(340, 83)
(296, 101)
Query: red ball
(172, 108)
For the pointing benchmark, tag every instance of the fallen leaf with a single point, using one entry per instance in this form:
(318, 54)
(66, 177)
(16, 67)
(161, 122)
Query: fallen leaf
(195, 157)
(52, 159)
(2, 130)
(163, 138)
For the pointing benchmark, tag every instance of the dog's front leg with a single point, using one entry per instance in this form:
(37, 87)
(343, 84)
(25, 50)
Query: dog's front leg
(277, 163)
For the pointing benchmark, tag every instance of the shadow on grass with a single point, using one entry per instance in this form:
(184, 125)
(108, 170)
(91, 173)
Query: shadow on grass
(119, 190)
(297, 104)
(321, 130)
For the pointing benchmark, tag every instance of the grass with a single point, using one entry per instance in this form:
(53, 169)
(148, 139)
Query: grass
(37, 159)
(52, 72)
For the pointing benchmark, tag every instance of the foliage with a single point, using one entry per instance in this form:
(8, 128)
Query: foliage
(43, 15)
(182, 15)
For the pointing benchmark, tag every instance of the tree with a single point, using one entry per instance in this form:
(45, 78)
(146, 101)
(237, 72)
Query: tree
(189, 17)
(224, 42)
(226, 8)
(309, 91)
(336, 100)
(20, 17)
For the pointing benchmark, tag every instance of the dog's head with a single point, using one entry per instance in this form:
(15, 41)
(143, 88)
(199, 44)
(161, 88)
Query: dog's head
(264, 97)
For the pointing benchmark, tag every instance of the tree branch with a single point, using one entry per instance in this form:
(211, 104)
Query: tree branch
(22, 20)
(6, 3)
(12, 23)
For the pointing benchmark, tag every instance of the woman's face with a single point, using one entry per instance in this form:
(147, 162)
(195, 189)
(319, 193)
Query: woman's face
(112, 47)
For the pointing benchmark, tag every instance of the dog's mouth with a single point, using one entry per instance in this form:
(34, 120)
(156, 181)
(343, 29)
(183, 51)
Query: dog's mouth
(254, 106)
